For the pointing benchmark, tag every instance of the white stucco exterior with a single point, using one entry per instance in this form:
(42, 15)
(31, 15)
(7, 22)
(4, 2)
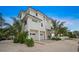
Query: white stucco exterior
(36, 23)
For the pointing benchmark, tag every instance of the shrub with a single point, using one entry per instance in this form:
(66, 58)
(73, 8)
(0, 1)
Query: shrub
(29, 42)
(23, 38)
(71, 35)
(16, 40)
(56, 39)
(49, 37)
(20, 38)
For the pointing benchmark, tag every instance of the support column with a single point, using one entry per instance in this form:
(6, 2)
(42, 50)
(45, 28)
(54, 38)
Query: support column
(39, 35)
(45, 35)
(28, 33)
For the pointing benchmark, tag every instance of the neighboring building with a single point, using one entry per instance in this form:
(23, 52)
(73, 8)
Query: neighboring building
(37, 24)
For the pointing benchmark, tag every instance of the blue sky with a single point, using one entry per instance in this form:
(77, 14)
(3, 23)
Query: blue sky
(69, 14)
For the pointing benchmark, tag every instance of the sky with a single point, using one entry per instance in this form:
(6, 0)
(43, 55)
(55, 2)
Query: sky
(69, 14)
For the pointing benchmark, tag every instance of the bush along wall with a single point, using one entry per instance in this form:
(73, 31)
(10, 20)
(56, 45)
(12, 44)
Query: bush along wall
(56, 39)
(23, 39)
(29, 42)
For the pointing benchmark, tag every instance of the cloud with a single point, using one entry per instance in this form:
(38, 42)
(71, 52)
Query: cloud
(8, 20)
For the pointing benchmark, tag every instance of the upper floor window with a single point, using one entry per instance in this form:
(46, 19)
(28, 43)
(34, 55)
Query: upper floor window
(34, 20)
(41, 24)
(41, 34)
(25, 22)
(36, 14)
(32, 33)
(44, 17)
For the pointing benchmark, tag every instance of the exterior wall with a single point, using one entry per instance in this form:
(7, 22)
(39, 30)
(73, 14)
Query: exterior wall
(34, 34)
(48, 23)
(37, 35)
(22, 14)
(33, 12)
(35, 27)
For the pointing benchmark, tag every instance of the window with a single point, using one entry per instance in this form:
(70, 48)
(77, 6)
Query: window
(32, 33)
(41, 34)
(25, 22)
(41, 24)
(36, 14)
(19, 16)
(44, 17)
(34, 20)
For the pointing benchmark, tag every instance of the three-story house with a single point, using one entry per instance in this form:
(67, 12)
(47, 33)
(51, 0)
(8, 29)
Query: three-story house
(36, 23)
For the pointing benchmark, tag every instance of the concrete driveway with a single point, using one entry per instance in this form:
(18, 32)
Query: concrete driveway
(42, 46)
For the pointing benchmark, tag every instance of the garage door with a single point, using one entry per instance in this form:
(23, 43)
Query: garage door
(33, 34)
(42, 35)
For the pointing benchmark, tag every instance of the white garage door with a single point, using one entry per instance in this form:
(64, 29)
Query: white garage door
(34, 34)
(42, 35)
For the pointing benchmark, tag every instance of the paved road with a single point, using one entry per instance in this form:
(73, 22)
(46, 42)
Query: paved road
(42, 46)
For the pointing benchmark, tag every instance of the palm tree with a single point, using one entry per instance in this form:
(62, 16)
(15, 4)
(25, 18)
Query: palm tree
(4, 28)
(1, 20)
(63, 31)
(76, 33)
(18, 30)
(58, 28)
(20, 36)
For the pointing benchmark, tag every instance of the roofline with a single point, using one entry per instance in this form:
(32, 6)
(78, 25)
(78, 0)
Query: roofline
(41, 13)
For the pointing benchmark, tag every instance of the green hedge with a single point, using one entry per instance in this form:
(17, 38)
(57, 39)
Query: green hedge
(29, 42)
(16, 40)
(56, 39)
(23, 39)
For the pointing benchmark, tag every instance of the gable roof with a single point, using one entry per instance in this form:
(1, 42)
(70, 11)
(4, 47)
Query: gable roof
(36, 11)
